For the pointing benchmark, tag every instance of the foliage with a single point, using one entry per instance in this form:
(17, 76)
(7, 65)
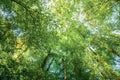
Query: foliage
(59, 39)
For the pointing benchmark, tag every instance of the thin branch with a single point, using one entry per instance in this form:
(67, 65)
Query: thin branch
(21, 4)
(50, 64)
(105, 65)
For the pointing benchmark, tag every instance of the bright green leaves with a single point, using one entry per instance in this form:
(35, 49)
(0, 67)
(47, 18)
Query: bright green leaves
(97, 9)
(59, 39)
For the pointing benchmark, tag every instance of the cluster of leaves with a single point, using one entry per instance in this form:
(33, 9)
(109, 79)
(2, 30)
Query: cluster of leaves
(59, 39)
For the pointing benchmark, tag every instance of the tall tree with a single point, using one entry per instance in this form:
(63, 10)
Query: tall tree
(59, 39)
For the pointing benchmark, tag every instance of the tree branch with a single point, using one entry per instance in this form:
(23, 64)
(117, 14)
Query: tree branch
(21, 4)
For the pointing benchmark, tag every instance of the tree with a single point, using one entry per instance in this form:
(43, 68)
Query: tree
(59, 39)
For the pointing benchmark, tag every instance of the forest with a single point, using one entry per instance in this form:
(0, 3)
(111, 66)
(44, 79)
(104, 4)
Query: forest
(59, 39)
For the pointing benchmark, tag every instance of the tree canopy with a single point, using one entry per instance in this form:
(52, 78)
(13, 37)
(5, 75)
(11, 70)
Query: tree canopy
(59, 40)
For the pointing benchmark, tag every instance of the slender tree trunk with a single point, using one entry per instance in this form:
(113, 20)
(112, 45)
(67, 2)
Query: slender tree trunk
(64, 68)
